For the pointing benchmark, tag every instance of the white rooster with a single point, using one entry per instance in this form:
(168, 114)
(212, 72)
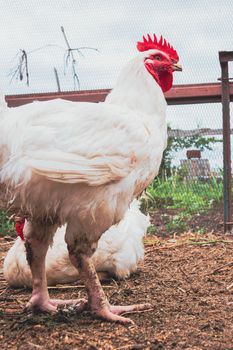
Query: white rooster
(119, 251)
(82, 164)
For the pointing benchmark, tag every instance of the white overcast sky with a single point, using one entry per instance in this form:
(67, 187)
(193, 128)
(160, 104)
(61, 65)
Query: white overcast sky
(198, 29)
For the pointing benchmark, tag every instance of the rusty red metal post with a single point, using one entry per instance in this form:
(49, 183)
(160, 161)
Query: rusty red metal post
(224, 58)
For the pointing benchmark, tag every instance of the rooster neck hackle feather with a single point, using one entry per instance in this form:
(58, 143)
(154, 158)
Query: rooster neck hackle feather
(136, 90)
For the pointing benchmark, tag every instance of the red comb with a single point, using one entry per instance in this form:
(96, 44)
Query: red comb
(162, 45)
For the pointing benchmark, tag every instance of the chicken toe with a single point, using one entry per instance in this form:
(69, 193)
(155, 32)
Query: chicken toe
(97, 300)
(38, 303)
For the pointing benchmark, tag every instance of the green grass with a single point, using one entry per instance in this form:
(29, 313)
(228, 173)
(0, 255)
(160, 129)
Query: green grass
(6, 225)
(182, 199)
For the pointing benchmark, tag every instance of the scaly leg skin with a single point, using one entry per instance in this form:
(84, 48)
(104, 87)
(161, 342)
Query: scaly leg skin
(36, 250)
(97, 299)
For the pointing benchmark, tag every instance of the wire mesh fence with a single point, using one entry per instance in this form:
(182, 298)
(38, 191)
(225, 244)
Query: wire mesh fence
(99, 40)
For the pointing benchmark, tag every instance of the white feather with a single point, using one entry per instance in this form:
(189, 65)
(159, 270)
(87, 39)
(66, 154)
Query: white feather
(85, 142)
(83, 163)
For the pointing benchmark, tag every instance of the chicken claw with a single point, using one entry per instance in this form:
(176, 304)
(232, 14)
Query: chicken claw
(51, 305)
(98, 303)
(111, 313)
(38, 303)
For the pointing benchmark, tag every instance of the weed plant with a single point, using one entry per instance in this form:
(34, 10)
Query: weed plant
(181, 198)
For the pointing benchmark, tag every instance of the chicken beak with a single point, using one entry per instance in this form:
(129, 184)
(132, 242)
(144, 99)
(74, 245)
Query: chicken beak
(177, 67)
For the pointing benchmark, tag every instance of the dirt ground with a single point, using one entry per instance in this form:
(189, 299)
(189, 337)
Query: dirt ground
(188, 280)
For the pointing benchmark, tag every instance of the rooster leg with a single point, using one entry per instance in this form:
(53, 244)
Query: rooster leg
(36, 252)
(38, 239)
(97, 299)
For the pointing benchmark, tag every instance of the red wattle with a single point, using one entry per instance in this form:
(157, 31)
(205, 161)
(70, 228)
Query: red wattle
(164, 77)
(165, 80)
(19, 228)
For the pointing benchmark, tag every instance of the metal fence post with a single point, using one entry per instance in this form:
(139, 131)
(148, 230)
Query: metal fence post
(224, 58)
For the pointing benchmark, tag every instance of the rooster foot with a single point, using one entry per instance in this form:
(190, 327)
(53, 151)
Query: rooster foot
(112, 312)
(51, 305)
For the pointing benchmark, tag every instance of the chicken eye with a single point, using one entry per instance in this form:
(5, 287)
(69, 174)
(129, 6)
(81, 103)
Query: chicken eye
(158, 58)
